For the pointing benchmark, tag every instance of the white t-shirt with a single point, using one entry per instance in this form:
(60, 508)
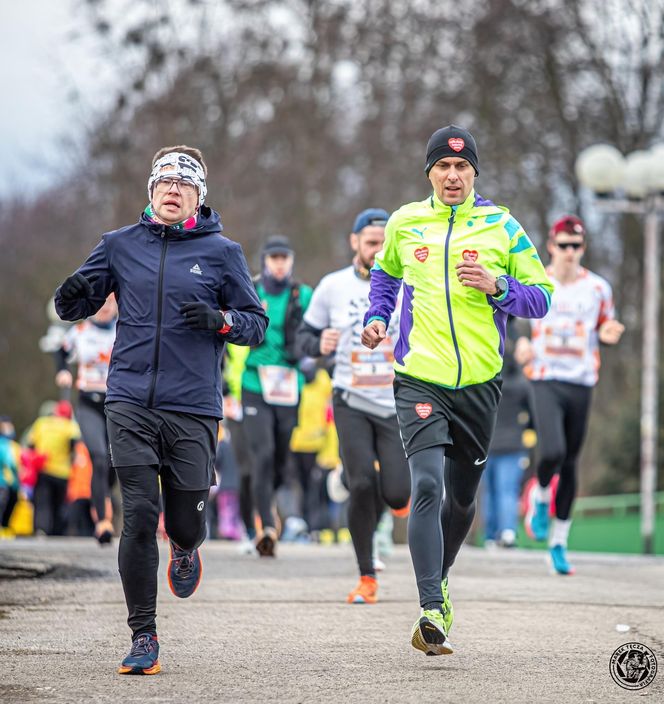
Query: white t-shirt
(565, 341)
(90, 347)
(340, 301)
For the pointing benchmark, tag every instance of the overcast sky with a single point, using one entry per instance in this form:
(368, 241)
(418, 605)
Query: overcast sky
(41, 69)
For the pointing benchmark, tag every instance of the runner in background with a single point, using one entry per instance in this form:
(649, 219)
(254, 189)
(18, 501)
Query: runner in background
(364, 410)
(508, 457)
(272, 382)
(562, 361)
(88, 345)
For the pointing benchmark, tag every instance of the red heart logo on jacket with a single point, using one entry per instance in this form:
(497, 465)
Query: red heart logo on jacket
(423, 410)
(470, 254)
(421, 254)
(456, 143)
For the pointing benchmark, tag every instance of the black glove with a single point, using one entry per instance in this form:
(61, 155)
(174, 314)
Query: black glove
(201, 316)
(77, 286)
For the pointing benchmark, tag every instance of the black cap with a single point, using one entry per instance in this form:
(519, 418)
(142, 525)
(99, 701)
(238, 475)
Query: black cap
(277, 244)
(451, 141)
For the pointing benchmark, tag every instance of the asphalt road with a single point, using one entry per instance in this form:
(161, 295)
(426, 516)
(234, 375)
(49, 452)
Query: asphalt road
(279, 630)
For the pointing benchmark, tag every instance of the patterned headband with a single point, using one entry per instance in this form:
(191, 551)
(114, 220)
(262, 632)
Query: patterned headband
(179, 165)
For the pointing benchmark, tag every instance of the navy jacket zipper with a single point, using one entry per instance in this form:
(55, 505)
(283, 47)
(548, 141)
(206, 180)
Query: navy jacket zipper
(160, 286)
(448, 296)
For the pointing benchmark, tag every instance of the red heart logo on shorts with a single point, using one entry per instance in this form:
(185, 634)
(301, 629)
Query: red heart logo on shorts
(421, 254)
(456, 143)
(470, 254)
(423, 410)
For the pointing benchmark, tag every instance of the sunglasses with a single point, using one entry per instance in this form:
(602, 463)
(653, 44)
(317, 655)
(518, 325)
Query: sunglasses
(567, 245)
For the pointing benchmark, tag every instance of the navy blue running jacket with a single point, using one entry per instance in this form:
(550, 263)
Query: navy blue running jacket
(157, 361)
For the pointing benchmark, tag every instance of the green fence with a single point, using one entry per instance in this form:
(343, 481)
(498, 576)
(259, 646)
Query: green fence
(608, 524)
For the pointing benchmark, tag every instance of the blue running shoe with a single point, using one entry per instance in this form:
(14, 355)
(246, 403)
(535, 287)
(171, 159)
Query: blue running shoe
(559, 560)
(185, 570)
(537, 520)
(143, 658)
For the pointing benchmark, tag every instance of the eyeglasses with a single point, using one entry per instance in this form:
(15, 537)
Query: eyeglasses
(164, 185)
(566, 245)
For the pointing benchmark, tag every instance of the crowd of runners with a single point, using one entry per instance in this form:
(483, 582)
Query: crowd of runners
(374, 394)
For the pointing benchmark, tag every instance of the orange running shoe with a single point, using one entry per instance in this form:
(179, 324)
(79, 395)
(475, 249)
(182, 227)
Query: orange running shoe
(365, 592)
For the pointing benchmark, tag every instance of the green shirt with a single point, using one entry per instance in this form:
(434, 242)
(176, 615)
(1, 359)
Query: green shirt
(272, 351)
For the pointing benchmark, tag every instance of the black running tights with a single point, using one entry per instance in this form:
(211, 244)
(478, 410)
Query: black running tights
(561, 417)
(363, 440)
(138, 557)
(439, 520)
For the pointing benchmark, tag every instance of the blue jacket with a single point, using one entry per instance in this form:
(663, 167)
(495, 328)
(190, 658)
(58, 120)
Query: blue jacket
(157, 361)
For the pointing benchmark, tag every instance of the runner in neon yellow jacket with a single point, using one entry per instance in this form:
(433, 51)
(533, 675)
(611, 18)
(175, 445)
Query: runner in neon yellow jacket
(450, 334)
(464, 264)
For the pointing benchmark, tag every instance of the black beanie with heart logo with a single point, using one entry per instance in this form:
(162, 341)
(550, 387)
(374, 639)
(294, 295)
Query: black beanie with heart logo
(451, 141)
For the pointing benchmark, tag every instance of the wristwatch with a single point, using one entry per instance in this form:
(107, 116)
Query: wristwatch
(501, 287)
(228, 322)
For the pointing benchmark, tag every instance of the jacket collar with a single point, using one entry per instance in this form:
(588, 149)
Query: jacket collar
(446, 211)
(208, 223)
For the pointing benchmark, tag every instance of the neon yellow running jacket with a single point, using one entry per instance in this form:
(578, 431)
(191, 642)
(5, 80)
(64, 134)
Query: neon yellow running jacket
(451, 334)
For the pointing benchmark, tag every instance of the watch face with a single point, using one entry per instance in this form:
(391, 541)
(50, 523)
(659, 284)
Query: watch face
(228, 319)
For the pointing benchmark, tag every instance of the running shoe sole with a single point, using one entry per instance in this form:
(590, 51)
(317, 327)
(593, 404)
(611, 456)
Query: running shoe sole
(428, 638)
(359, 599)
(139, 670)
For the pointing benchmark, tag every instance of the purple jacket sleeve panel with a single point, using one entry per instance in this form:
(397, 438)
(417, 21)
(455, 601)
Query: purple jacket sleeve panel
(523, 301)
(382, 295)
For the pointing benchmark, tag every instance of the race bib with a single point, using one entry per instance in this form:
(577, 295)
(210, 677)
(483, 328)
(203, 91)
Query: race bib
(279, 385)
(565, 339)
(372, 368)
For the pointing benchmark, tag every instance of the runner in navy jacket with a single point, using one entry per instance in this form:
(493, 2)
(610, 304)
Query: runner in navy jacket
(183, 290)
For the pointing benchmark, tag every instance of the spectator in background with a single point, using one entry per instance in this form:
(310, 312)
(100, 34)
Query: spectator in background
(55, 438)
(307, 441)
(503, 475)
(9, 478)
(79, 493)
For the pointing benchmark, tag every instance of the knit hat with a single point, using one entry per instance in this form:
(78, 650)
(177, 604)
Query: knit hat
(571, 224)
(451, 141)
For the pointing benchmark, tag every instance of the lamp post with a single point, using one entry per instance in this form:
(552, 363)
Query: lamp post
(633, 185)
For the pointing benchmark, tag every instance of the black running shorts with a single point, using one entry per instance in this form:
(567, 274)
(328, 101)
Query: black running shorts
(460, 419)
(182, 445)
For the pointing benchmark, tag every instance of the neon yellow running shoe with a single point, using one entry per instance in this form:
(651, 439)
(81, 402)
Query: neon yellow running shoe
(448, 609)
(429, 634)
